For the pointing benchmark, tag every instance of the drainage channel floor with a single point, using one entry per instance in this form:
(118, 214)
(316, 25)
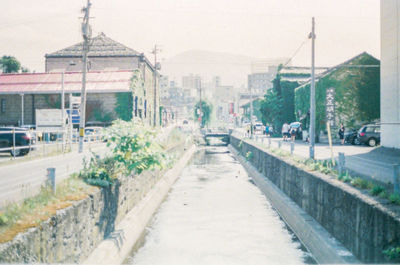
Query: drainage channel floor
(215, 215)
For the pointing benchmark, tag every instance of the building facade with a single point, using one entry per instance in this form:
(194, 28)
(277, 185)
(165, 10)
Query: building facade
(106, 54)
(107, 93)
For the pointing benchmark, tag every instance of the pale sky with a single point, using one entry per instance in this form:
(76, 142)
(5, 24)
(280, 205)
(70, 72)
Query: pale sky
(259, 28)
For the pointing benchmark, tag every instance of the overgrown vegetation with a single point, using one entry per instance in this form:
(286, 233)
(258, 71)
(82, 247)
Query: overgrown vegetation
(134, 149)
(277, 107)
(249, 155)
(124, 106)
(392, 253)
(356, 94)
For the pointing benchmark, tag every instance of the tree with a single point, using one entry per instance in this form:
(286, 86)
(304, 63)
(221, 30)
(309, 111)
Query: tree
(9, 64)
(206, 109)
(271, 109)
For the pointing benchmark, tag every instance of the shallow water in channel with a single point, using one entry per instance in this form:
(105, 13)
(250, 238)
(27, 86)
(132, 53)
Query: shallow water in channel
(215, 215)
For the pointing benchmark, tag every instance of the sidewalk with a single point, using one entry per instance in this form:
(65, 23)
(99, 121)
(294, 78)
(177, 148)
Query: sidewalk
(375, 164)
(21, 180)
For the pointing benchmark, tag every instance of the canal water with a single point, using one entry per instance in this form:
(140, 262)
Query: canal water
(215, 215)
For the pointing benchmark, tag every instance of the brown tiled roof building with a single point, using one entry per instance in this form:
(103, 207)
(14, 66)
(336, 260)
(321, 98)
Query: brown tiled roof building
(104, 54)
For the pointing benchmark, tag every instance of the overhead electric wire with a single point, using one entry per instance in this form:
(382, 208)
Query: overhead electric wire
(295, 53)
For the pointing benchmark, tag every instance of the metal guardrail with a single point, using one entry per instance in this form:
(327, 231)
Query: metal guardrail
(44, 139)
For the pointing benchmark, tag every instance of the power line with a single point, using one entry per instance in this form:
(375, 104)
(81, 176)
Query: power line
(297, 50)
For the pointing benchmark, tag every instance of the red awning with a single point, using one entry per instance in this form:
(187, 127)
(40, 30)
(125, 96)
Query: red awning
(50, 83)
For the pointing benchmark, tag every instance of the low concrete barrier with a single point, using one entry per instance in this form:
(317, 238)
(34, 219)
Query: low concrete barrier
(363, 224)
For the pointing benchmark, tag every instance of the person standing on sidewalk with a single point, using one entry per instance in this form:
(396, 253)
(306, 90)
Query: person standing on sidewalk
(341, 133)
(266, 130)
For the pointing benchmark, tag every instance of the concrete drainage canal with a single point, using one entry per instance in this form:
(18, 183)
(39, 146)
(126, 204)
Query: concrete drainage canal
(215, 215)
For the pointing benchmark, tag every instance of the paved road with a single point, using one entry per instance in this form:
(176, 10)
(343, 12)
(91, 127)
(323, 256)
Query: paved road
(24, 178)
(373, 163)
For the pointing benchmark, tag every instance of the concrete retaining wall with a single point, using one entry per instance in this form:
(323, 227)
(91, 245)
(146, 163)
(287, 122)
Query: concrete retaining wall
(364, 225)
(74, 232)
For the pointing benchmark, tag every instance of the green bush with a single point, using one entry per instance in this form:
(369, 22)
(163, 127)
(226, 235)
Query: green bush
(360, 183)
(249, 155)
(392, 253)
(135, 147)
(394, 198)
(376, 190)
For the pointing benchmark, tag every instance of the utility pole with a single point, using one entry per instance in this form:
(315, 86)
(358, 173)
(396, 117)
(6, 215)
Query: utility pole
(201, 109)
(63, 110)
(86, 34)
(312, 92)
(251, 112)
(155, 51)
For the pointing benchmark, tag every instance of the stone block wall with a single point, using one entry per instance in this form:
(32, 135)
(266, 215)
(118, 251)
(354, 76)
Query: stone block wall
(72, 234)
(362, 224)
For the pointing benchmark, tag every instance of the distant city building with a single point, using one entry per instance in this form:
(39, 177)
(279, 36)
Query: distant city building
(262, 74)
(259, 83)
(164, 87)
(191, 85)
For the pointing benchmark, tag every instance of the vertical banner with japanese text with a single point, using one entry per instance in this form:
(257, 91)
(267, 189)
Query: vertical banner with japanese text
(330, 106)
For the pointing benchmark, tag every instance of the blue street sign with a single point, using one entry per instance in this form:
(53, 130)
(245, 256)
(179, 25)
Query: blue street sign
(75, 117)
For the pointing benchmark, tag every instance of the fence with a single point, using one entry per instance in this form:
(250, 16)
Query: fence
(20, 142)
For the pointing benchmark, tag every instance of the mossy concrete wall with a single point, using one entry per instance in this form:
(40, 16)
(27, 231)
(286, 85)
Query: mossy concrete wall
(364, 225)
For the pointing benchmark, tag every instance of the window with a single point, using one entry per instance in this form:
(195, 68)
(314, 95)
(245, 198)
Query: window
(3, 105)
(370, 129)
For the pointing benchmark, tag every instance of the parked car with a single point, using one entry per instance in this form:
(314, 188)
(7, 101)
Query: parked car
(93, 133)
(370, 134)
(351, 137)
(22, 138)
(258, 128)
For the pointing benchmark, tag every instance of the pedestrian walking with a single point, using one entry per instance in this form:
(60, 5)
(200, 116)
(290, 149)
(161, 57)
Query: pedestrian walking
(341, 133)
(267, 130)
(293, 132)
(285, 131)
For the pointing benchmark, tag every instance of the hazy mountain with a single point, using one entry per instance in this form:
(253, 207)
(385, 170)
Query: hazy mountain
(232, 68)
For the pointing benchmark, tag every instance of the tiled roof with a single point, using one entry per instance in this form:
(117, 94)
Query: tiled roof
(100, 45)
(50, 83)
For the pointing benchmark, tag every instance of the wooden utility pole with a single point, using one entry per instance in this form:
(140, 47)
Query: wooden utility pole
(86, 34)
(312, 92)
